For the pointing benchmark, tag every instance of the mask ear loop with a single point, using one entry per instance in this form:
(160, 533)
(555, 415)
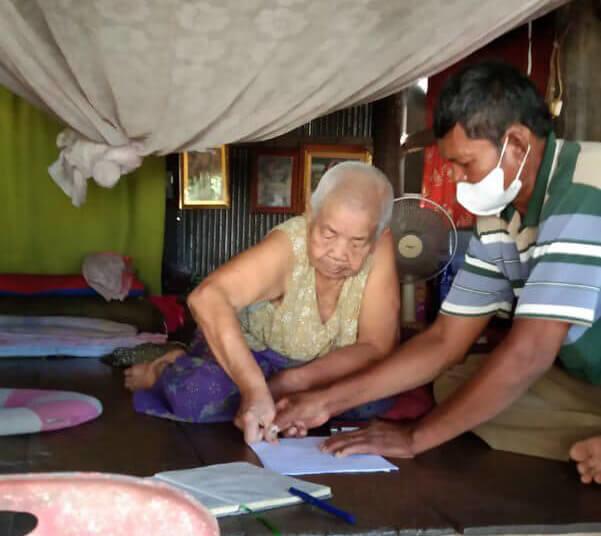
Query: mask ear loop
(502, 152)
(519, 173)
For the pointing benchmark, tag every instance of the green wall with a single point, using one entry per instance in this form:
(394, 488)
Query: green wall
(41, 232)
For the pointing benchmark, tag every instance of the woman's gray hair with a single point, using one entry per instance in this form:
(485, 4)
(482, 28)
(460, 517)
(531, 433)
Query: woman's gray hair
(358, 177)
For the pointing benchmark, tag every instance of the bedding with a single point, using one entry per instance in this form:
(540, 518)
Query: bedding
(139, 312)
(53, 285)
(34, 336)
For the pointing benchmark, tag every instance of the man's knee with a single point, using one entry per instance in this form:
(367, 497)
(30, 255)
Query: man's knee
(451, 380)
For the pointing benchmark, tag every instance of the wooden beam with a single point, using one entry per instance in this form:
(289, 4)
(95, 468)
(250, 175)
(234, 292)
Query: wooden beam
(580, 117)
(386, 134)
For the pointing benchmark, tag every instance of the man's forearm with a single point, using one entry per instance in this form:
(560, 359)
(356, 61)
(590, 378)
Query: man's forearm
(415, 363)
(502, 379)
(336, 365)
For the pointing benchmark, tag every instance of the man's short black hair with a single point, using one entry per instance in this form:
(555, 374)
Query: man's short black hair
(486, 99)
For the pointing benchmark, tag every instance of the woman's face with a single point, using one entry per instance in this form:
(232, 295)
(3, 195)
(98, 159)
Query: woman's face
(340, 238)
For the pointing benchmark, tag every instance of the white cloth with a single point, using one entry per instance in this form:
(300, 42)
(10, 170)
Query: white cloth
(80, 160)
(173, 75)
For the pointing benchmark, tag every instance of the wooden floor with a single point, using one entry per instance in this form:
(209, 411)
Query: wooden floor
(461, 487)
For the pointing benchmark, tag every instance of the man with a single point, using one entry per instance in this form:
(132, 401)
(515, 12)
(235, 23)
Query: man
(536, 253)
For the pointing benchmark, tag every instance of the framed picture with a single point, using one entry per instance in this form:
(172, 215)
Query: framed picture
(204, 178)
(275, 185)
(317, 159)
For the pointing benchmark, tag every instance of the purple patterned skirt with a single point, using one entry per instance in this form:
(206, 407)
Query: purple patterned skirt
(196, 389)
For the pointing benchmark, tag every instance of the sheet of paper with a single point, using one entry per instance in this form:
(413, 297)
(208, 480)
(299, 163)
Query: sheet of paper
(301, 456)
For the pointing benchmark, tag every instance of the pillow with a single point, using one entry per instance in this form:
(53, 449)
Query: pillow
(53, 285)
(26, 411)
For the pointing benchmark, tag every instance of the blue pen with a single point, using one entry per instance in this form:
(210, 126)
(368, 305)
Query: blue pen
(327, 507)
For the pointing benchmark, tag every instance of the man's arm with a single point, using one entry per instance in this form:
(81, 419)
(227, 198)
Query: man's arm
(415, 363)
(522, 357)
(378, 329)
(525, 354)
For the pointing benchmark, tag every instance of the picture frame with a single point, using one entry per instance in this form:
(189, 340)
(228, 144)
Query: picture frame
(317, 159)
(275, 181)
(204, 178)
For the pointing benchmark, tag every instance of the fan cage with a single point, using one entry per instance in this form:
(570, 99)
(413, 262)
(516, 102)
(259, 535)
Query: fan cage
(451, 240)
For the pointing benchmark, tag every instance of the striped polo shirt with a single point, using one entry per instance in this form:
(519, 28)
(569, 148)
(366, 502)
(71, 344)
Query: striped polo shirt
(548, 263)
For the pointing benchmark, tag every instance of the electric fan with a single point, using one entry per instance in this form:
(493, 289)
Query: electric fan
(425, 241)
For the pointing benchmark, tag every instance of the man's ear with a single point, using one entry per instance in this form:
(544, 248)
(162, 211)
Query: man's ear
(519, 138)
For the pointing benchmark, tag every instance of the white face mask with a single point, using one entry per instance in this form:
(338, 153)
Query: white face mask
(488, 196)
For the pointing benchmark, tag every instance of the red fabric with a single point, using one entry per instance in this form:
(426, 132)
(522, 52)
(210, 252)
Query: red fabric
(173, 312)
(31, 284)
(438, 184)
(411, 405)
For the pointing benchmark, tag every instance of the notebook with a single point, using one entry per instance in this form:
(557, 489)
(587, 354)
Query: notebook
(301, 456)
(225, 487)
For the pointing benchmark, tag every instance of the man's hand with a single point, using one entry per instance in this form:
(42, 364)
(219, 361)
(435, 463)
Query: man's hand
(380, 437)
(300, 412)
(255, 418)
(286, 382)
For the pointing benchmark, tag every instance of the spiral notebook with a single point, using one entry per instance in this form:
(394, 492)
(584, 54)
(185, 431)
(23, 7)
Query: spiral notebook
(224, 488)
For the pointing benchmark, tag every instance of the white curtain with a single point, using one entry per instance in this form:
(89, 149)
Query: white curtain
(158, 76)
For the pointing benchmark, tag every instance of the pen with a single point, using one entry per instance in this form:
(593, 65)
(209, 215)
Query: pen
(337, 429)
(270, 526)
(327, 507)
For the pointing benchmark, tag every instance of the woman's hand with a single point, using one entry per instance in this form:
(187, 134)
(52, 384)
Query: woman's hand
(255, 418)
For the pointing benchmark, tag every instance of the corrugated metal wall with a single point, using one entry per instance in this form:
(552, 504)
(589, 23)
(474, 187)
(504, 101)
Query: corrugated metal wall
(350, 122)
(206, 238)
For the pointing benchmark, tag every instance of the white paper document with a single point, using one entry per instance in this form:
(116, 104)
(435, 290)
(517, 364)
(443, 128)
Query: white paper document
(301, 456)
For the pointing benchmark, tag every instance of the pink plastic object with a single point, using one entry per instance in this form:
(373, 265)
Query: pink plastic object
(86, 504)
(26, 411)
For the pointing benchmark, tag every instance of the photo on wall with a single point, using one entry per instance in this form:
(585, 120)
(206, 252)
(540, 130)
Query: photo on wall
(275, 185)
(317, 159)
(204, 178)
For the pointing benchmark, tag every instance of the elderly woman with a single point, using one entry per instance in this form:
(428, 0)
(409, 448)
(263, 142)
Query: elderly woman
(315, 301)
